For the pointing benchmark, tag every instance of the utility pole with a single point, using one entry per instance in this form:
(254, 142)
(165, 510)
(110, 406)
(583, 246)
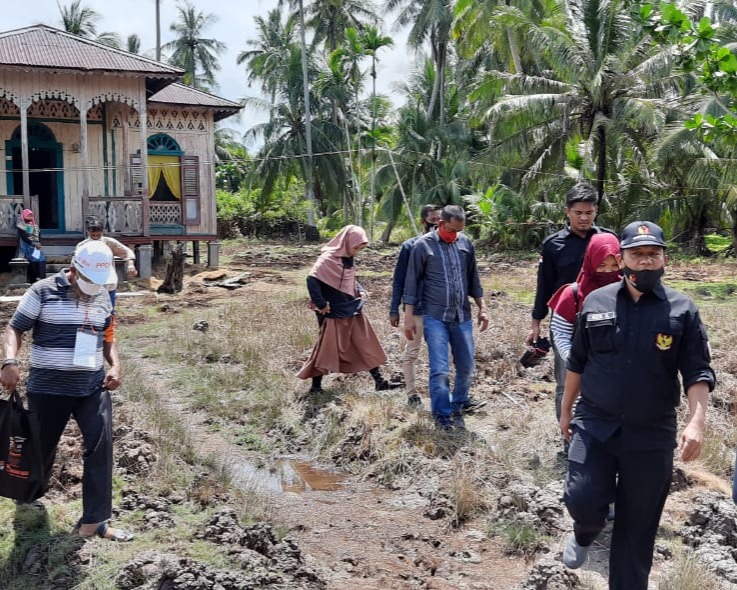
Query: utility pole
(309, 189)
(158, 30)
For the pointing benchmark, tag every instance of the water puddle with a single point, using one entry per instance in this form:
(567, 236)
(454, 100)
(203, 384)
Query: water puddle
(289, 475)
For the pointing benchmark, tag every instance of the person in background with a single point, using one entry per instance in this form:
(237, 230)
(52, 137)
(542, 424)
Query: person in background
(632, 340)
(94, 233)
(29, 240)
(69, 318)
(561, 258)
(429, 216)
(346, 342)
(441, 276)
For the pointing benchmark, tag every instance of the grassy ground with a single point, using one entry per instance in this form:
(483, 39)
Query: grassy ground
(229, 359)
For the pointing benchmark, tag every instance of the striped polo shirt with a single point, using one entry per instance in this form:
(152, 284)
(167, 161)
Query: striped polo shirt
(54, 311)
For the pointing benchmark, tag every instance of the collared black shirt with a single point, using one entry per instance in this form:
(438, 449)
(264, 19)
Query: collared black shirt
(561, 258)
(629, 356)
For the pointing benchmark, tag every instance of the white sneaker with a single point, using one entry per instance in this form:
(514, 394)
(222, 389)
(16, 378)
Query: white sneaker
(574, 555)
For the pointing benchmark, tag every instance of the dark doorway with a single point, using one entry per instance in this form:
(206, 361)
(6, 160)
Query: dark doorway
(41, 182)
(45, 177)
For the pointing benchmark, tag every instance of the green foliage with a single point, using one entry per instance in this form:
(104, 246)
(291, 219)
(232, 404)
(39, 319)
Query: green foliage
(698, 50)
(504, 218)
(717, 243)
(254, 214)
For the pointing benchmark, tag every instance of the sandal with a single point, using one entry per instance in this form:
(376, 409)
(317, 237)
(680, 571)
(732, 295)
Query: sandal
(104, 531)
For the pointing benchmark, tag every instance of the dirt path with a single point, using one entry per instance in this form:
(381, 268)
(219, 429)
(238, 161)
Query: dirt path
(359, 535)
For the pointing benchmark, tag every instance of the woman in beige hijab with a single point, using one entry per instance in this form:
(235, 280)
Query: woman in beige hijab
(347, 342)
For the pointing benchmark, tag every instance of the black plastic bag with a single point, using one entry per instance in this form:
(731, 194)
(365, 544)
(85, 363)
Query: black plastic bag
(21, 463)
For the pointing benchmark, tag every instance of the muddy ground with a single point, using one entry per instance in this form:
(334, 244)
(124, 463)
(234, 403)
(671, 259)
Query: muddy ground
(357, 522)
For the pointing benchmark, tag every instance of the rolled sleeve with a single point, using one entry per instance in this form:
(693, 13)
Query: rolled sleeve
(694, 361)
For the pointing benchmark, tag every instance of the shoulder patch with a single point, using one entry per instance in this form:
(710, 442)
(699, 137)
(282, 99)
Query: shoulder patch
(597, 317)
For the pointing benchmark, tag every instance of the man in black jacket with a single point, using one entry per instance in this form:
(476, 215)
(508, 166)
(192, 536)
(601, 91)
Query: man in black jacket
(632, 340)
(560, 261)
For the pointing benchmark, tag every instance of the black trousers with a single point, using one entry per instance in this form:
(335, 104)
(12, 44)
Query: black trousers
(94, 416)
(638, 481)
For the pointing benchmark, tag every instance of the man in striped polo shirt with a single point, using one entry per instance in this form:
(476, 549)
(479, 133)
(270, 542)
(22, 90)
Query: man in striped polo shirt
(70, 316)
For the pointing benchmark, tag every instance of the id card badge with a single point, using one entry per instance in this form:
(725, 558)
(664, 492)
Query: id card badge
(85, 349)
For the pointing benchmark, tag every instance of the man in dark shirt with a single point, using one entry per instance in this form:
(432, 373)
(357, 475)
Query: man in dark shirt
(442, 275)
(429, 216)
(560, 261)
(632, 339)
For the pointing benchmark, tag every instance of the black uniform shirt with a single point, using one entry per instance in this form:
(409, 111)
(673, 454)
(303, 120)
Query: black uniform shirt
(561, 258)
(629, 356)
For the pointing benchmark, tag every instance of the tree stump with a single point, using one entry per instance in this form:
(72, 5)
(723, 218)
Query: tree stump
(173, 277)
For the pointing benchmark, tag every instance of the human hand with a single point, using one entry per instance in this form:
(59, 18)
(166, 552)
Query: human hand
(131, 270)
(112, 379)
(565, 424)
(690, 442)
(394, 320)
(325, 310)
(9, 377)
(483, 320)
(409, 326)
(533, 335)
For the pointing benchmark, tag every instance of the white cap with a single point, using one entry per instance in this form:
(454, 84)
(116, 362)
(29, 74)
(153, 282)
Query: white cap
(94, 261)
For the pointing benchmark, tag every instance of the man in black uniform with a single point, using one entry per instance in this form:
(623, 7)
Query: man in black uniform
(560, 261)
(632, 339)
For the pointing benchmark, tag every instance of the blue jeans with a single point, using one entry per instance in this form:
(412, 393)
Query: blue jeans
(438, 335)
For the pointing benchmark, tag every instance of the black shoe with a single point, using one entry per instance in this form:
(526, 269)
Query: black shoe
(414, 401)
(384, 385)
(312, 390)
(472, 404)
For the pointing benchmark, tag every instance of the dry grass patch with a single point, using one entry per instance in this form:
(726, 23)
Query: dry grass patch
(685, 572)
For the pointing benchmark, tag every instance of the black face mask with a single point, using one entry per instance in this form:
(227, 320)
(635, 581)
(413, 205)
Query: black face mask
(643, 280)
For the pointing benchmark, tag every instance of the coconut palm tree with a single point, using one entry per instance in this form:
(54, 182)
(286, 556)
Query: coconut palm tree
(133, 44)
(603, 85)
(372, 41)
(330, 19)
(298, 5)
(266, 60)
(82, 21)
(196, 54)
(78, 19)
(430, 21)
(284, 153)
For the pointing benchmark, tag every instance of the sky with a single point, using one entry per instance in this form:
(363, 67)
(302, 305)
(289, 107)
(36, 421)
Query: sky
(234, 27)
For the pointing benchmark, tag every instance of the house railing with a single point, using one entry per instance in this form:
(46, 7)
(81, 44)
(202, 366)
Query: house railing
(133, 216)
(121, 216)
(11, 207)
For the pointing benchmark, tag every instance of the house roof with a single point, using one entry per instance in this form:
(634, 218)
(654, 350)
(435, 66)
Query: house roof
(42, 46)
(186, 95)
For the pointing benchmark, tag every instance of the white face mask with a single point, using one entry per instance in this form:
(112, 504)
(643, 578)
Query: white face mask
(89, 289)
